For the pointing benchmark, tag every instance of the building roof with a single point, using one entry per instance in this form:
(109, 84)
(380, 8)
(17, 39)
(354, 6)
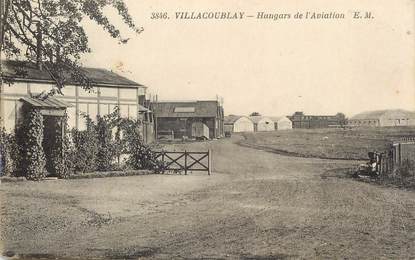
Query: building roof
(49, 102)
(257, 119)
(184, 109)
(278, 118)
(28, 72)
(377, 114)
(231, 119)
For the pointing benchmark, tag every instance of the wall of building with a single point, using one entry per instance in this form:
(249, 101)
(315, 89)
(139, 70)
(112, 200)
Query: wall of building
(243, 124)
(396, 121)
(98, 101)
(314, 121)
(364, 122)
(265, 125)
(283, 124)
(183, 126)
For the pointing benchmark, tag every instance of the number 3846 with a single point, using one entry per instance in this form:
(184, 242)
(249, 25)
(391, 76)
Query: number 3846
(159, 15)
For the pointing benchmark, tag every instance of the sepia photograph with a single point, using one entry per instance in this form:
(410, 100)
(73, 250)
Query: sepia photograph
(207, 129)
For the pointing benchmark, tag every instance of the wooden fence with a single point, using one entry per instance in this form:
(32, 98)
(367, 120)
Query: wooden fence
(400, 152)
(185, 161)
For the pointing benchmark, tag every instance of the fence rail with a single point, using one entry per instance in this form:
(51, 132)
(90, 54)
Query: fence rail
(185, 161)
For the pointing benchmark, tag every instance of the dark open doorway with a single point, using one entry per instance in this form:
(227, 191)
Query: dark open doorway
(52, 141)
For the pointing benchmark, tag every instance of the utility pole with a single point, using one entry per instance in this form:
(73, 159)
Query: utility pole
(2, 23)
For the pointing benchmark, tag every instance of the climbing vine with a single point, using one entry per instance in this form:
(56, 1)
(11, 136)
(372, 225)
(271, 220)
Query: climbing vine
(63, 152)
(30, 137)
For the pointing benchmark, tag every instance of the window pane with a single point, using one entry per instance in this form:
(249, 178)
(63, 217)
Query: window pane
(133, 112)
(103, 109)
(93, 111)
(84, 93)
(68, 91)
(124, 111)
(108, 92)
(128, 93)
(39, 88)
(9, 115)
(83, 108)
(141, 91)
(112, 108)
(16, 88)
(71, 111)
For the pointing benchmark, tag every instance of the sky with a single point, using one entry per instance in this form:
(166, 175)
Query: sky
(274, 67)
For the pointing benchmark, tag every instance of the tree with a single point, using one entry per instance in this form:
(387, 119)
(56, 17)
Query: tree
(342, 119)
(255, 114)
(50, 33)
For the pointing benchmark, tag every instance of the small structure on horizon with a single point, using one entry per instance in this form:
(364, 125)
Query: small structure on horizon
(282, 123)
(237, 124)
(262, 123)
(380, 118)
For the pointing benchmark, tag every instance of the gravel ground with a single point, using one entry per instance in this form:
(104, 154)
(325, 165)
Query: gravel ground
(255, 205)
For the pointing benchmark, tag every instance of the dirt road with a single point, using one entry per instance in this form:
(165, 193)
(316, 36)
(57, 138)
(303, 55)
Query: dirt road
(256, 205)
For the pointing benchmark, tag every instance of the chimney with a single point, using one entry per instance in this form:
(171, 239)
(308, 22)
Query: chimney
(39, 47)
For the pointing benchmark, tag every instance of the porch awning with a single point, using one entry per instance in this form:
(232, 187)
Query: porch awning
(47, 103)
(49, 106)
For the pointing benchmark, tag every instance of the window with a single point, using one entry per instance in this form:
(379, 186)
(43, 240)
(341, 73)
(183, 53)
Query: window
(104, 109)
(87, 93)
(184, 110)
(108, 92)
(71, 111)
(68, 91)
(93, 111)
(132, 112)
(39, 88)
(83, 109)
(124, 111)
(9, 115)
(128, 93)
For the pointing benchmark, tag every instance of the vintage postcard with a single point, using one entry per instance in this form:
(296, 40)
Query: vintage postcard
(207, 129)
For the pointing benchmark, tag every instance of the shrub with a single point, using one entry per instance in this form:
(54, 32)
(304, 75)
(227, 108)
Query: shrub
(30, 137)
(86, 147)
(140, 156)
(9, 153)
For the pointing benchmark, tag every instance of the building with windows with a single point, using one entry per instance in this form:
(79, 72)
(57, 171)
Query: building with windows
(109, 90)
(300, 120)
(379, 118)
(175, 119)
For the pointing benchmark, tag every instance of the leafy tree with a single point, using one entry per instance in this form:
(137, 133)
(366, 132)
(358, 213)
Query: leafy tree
(50, 33)
(342, 119)
(255, 114)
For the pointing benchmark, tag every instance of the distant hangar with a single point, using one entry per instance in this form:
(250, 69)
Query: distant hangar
(395, 117)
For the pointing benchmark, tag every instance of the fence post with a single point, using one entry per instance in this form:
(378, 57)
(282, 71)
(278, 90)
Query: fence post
(400, 154)
(209, 162)
(162, 160)
(185, 162)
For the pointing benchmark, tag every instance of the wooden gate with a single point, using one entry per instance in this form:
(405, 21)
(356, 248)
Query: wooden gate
(185, 161)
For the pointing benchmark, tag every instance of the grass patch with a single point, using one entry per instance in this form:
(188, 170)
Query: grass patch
(99, 174)
(351, 144)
